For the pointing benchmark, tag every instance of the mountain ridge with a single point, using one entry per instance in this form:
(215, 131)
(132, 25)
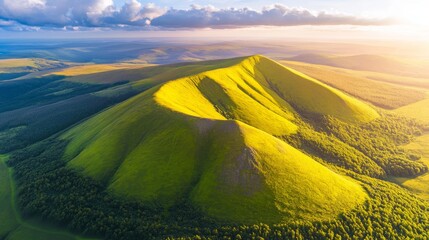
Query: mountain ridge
(212, 138)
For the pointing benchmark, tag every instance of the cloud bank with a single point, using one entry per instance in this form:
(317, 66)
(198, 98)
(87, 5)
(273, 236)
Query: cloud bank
(25, 15)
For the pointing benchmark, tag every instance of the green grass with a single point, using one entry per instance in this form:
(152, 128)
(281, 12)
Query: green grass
(210, 138)
(251, 176)
(12, 226)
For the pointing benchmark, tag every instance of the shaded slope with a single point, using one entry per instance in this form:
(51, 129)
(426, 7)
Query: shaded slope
(209, 138)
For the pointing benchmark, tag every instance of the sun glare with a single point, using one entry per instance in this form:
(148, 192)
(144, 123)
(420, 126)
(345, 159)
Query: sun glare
(412, 12)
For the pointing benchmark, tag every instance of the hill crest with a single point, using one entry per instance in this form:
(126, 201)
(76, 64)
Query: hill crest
(211, 138)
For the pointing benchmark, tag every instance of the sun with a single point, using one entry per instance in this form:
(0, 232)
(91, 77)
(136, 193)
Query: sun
(415, 12)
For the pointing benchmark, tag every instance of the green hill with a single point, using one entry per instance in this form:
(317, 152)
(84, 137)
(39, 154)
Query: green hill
(240, 148)
(212, 138)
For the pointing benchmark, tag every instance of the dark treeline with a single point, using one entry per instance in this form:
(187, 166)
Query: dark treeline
(373, 149)
(380, 140)
(327, 148)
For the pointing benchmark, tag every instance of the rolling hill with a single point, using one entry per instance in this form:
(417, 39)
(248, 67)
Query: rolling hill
(369, 62)
(213, 138)
(15, 68)
(382, 90)
(233, 148)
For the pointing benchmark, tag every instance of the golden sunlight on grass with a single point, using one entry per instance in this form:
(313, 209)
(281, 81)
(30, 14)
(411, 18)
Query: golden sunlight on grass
(95, 68)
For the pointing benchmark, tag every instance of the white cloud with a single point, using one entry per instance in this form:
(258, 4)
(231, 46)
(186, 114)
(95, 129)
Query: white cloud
(275, 15)
(133, 14)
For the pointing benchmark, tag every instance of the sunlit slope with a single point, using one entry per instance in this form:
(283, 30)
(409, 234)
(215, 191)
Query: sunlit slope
(210, 138)
(230, 170)
(229, 94)
(272, 82)
(260, 177)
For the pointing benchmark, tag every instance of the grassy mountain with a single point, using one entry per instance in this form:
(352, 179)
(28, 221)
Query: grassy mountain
(211, 148)
(212, 138)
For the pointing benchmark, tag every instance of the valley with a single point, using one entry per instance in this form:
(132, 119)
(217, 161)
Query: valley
(220, 120)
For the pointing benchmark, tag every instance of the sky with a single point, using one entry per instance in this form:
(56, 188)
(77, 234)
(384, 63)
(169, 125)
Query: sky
(370, 18)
